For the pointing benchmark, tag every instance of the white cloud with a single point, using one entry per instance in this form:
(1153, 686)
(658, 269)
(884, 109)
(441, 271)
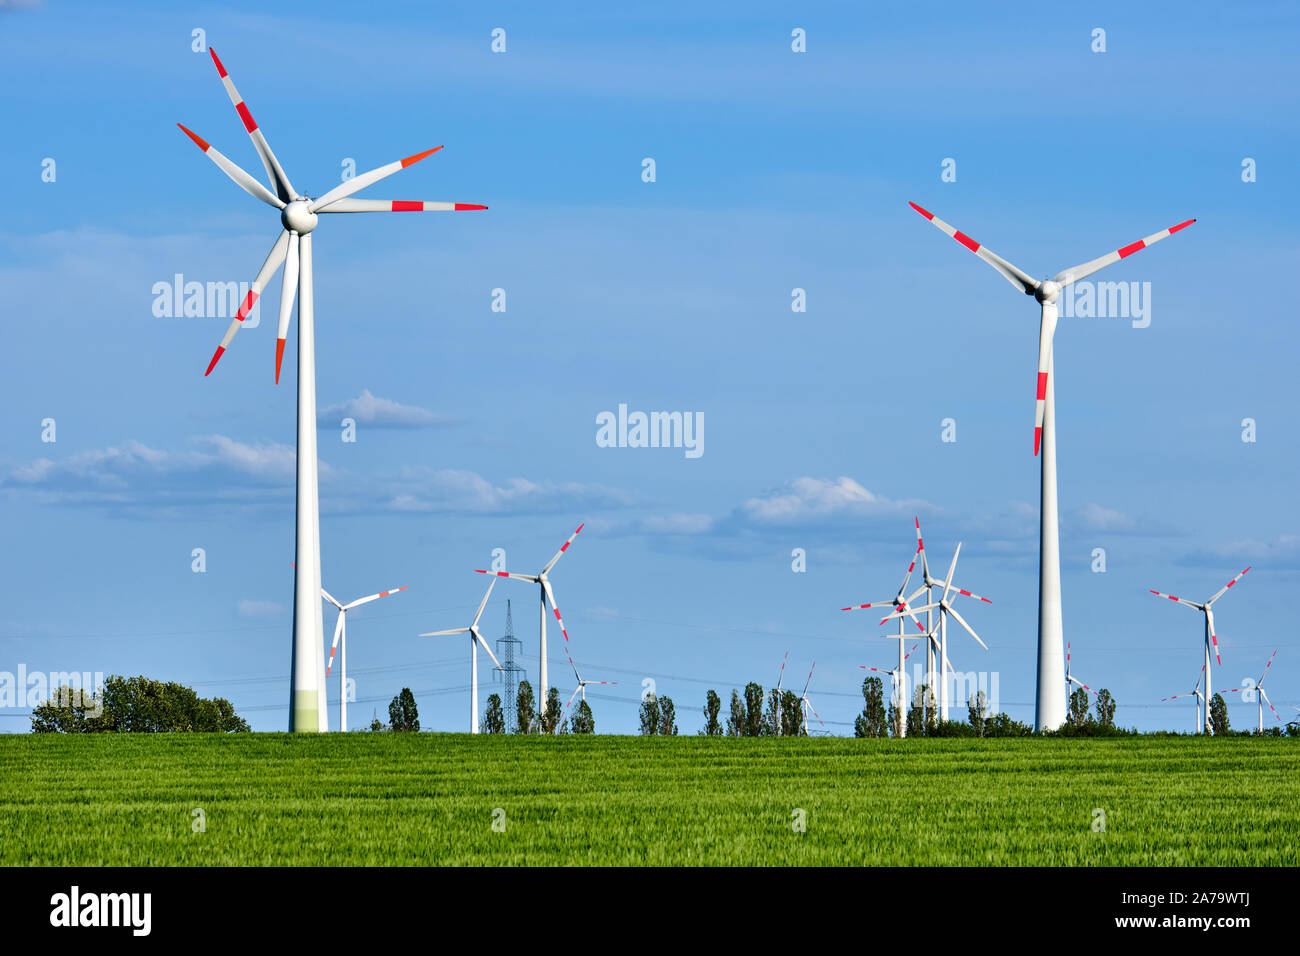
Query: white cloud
(677, 524)
(805, 501)
(446, 489)
(1280, 553)
(1093, 517)
(260, 610)
(369, 409)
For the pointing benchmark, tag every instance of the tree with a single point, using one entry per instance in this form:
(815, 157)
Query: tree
(872, 721)
(921, 716)
(977, 709)
(649, 715)
(736, 720)
(1078, 713)
(402, 715)
(135, 705)
(377, 726)
(753, 710)
(791, 714)
(582, 722)
(1218, 715)
(712, 706)
(1105, 709)
(526, 717)
(494, 719)
(895, 720)
(667, 717)
(551, 715)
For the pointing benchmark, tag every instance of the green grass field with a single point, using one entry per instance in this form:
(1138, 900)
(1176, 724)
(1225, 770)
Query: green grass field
(427, 799)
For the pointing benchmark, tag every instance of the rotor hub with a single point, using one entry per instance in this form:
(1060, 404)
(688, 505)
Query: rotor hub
(298, 217)
(1047, 292)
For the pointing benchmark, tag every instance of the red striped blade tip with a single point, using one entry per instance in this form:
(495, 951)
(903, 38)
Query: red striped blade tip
(217, 60)
(410, 160)
(199, 141)
(215, 358)
(924, 212)
(468, 206)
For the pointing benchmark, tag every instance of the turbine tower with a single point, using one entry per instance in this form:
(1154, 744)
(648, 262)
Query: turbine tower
(1049, 711)
(1211, 636)
(293, 250)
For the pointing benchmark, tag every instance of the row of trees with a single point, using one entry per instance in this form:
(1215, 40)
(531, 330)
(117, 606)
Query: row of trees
(136, 705)
(755, 714)
(528, 721)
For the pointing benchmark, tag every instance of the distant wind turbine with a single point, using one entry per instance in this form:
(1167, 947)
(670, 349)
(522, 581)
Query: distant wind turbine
(475, 642)
(341, 645)
(1261, 698)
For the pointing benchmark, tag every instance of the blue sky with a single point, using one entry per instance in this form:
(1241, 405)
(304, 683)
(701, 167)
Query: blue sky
(774, 170)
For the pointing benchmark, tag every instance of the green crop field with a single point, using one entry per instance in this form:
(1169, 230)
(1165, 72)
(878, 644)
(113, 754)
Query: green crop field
(427, 799)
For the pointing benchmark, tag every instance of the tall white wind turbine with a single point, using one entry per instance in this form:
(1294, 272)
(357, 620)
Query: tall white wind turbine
(1211, 636)
(293, 250)
(1049, 712)
(1261, 698)
(341, 645)
(543, 582)
(475, 642)
(1200, 699)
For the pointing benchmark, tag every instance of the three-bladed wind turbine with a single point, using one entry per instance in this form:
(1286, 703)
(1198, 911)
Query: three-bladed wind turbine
(900, 680)
(1211, 636)
(581, 689)
(341, 645)
(293, 249)
(547, 594)
(475, 642)
(807, 704)
(931, 583)
(945, 609)
(1260, 697)
(1071, 679)
(1200, 699)
(1050, 704)
(776, 697)
(900, 602)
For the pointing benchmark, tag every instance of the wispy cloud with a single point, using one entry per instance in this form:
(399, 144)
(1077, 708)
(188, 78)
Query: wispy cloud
(453, 490)
(376, 412)
(1279, 553)
(260, 610)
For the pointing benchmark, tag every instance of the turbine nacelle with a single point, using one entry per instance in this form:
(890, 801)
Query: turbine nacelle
(298, 217)
(1047, 291)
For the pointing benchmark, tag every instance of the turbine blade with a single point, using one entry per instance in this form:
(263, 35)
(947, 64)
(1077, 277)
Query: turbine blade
(564, 547)
(970, 594)
(240, 178)
(1046, 329)
(288, 290)
(1075, 273)
(530, 578)
(283, 188)
(947, 584)
(962, 621)
(859, 607)
(450, 630)
(474, 633)
(1171, 597)
(550, 596)
(909, 653)
(269, 267)
(338, 629)
(920, 549)
(375, 597)
(483, 603)
(1260, 682)
(356, 183)
(804, 692)
(1009, 272)
(325, 594)
(1224, 590)
(399, 205)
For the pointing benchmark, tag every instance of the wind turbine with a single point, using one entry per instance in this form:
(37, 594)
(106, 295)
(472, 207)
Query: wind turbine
(945, 608)
(293, 250)
(341, 645)
(1200, 699)
(900, 679)
(1261, 697)
(1070, 679)
(1211, 637)
(581, 688)
(776, 696)
(1049, 711)
(932, 582)
(475, 641)
(807, 704)
(543, 583)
